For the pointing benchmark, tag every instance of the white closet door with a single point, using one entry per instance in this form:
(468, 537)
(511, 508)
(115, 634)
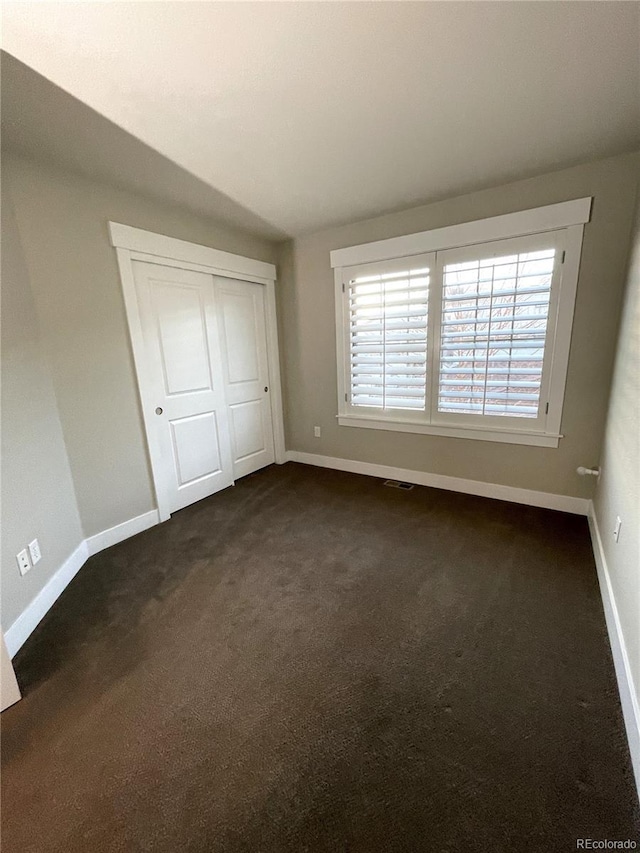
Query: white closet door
(241, 315)
(190, 445)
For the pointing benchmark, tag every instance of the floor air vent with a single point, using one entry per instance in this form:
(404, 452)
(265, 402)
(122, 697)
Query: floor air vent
(398, 484)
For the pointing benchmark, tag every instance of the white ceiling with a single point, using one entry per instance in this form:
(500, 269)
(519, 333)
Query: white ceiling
(309, 114)
(42, 121)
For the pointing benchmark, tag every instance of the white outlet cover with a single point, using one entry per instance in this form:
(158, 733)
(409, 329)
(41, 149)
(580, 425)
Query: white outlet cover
(24, 563)
(34, 550)
(317, 431)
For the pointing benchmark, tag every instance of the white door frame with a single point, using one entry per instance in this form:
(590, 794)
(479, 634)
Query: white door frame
(134, 244)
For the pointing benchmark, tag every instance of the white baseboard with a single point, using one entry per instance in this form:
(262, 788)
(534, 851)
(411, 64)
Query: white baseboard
(35, 612)
(626, 687)
(564, 503)
(25, 624)
(122, 531)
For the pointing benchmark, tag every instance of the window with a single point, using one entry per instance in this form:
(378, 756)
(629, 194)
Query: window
(470, 341)
(388, 312)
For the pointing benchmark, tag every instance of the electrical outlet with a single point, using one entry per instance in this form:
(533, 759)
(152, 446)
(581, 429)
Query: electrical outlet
(34, 551)
(616, 529)
(317, 431)
(23, 561)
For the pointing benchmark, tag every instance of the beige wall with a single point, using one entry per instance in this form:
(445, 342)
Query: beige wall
(308, 329)
(38, 498)
(62, 219)
(618, 492)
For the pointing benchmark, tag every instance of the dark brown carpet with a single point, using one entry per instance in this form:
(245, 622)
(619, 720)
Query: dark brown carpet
(310, 661)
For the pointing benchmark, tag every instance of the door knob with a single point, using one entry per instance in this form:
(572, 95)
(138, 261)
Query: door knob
(266, 388)
(159, 411)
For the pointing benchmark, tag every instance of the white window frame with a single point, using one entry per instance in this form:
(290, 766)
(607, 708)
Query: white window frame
(566, 220)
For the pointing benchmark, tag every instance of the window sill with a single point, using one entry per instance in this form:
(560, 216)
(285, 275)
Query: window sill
(535, 439)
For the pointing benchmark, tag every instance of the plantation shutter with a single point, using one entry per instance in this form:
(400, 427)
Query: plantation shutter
(468, 337)
(494, 320)
(388, 338)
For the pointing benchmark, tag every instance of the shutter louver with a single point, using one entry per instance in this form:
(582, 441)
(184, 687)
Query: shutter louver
(493, 328)
(388, 339)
